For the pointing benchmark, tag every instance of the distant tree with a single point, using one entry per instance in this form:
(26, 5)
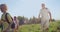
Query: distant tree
(34, 20)
(24, 20)
(53, 20)
(21, 20)
(39, 20)
(30, 20)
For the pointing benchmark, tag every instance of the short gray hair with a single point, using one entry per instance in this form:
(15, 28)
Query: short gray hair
(2, 5)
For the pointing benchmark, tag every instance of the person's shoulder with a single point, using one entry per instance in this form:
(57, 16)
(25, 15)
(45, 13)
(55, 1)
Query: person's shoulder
(8, 14)
(46, 8)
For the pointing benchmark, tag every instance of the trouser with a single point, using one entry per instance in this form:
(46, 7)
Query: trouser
(44, 25)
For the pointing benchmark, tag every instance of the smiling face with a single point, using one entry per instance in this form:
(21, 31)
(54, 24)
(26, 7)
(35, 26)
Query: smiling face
(3, 8)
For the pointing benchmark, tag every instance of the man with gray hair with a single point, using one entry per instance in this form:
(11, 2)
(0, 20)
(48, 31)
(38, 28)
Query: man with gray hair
(44, 15)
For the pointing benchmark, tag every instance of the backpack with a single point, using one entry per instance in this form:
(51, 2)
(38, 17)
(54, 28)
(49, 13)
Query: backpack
(11, 24)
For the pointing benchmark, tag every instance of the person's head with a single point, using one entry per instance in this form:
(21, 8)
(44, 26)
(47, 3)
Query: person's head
(14, 17)
(43, 5)
(3, 8)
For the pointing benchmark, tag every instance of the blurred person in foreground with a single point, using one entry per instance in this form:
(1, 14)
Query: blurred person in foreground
(44, 15)
(5, 18)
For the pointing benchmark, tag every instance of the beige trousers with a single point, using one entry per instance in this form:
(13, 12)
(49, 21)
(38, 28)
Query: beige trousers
(44, 24)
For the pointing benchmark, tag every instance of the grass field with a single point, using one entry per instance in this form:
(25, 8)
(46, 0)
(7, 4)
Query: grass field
(36, 27)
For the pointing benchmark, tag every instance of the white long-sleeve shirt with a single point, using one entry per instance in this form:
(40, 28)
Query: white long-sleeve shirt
(44, 13)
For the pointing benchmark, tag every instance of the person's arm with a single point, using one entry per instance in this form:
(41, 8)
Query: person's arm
(39, 14)
(50, 15)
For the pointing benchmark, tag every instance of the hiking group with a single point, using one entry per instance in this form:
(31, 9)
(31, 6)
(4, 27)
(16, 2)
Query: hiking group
(7, 22)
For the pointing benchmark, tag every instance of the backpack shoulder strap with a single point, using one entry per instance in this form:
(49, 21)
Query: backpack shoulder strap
(7, 18)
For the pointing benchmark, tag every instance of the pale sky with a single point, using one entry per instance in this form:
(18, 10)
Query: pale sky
(30, 8)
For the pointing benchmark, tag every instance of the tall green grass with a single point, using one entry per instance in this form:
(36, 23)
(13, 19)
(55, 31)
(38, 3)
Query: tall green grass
(30, 28)
(36, 27)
